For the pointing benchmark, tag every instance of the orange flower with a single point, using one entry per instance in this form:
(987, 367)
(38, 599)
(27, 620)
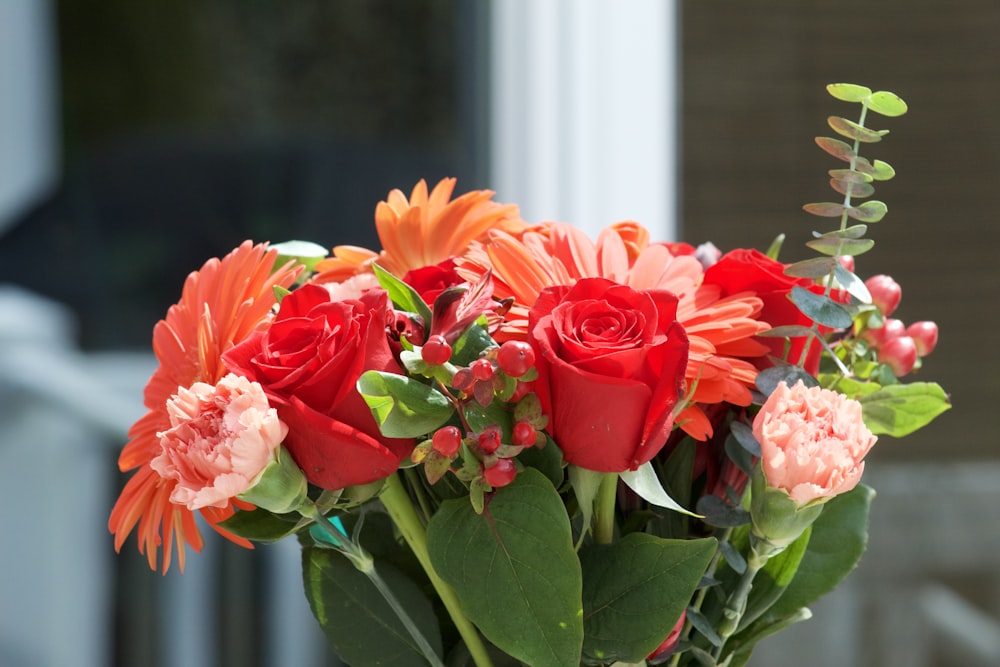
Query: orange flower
(220, 306)
(423, 230)
(720, 330)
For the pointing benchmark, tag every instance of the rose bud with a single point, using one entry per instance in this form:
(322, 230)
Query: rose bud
(924, 335)
(900, 354)
(885, 292)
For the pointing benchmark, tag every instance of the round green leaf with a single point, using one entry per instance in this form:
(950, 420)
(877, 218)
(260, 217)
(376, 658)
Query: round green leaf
(870, 211)
(886, 103)
(882, 171)
(836, 148)
(817, 267)
(850, 176)
(849, 92)
(634, 592)
(852, 232)
(824, 209)
(514, 569)
(830, 245)
(853, 188)
(851, 130)
(821, 309)
(769, 378)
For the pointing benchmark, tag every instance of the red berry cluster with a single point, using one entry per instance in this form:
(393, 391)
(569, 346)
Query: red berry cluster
(898, 346)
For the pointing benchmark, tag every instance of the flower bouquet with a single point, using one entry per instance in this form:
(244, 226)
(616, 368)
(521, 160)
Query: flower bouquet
(502, 444)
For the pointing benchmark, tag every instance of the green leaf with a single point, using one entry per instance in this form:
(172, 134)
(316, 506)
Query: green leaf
(831, 245)
(882, 171)
(821, 309)
(546, 459)
(850, 175)
(849, 92)
(644, 482)
(851, 130)
(817, 267)
(773, 580)
(886, 103)
(870, 211)
(853, 284)
(787, 331)
(359, 624)
(837, 149)
(470, 344)
(402, 295)
(852, 232)
(769, 378)
(635, 590)
(260, 525)
(514, 570)
(825, 209)
(306, 253)
(403, 407)
(901, 409)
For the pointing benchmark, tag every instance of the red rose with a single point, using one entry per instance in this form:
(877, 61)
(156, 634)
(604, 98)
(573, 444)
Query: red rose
(610, 363)
(752, 271)
(308, 362)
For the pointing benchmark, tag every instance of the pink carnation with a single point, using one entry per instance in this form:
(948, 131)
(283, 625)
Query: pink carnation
(812, 442)
(221, 439)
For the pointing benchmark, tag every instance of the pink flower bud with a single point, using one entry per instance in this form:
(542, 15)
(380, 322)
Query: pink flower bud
(900, 354)
(924, 335)
(885, 292)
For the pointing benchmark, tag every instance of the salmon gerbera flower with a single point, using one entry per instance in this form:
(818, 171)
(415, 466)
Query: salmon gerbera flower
(220, 305)
(720, 329)
(422, 230)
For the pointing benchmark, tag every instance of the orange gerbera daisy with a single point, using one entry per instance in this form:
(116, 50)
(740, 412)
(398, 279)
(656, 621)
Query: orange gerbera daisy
(220, 306)
(720, 330)
(423, 230)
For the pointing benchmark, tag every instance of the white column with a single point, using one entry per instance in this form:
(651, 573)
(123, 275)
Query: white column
(28, 140)
(583, 111)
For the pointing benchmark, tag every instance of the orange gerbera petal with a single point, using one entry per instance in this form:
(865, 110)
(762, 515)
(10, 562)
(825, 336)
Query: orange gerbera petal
(720, 330)
(220, 305)
(422, 230)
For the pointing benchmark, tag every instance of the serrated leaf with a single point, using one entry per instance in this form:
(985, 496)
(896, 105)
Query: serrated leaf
(514, 569)
(886, 103)
(402, 295)
(359, 624)
(824, 209)
(403, 407)
(821, 309)
(870, 211)
(853, 284)
(851, 130)
(882, 171)
(854, 188)
(831, 245)
(635, 590)
(836, 148)
(817, 267)
(849, 92)
(901, 409)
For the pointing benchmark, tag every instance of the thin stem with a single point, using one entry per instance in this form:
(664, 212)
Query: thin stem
(736, 605)
(397, 503)
(604, 509)
(366, 565)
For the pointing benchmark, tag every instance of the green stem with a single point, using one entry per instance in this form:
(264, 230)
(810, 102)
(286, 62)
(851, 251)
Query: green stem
(366, 565)
(397, 503)
(604, 509)
(736, 605)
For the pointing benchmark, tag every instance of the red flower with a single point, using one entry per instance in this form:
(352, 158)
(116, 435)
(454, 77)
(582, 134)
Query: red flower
(752, 271)
(430, 281)
(611, 364)
(308, 362)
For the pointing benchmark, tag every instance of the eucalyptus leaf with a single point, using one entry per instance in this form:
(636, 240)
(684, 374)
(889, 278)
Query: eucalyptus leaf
(831, 245)
(849, 92)
(901, 409)
(882, 171)
(744, 435)
(852, 232)
(852, 188)
(403, 407)
(635, 590)
(837, 148)
(821, 309)
(514, 569)
(886, 103)
(851, 130)
(769, 378)
(850, 175)
(852, 283)
(870, 211)
(787, 331)
(816, 267)
(824, 209)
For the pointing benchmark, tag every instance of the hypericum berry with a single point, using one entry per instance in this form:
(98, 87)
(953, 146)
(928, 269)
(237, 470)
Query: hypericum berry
(890, 330)
(524, 434)
(885, 292)
(436, 350)
(482, 369)
(515, 358)
(447, 440)
(925, 335)
(490, 440)
(847, 261)
(501, 473)
(900, 354)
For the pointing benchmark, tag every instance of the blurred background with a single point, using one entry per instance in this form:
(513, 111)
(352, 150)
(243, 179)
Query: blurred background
(139, 139)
